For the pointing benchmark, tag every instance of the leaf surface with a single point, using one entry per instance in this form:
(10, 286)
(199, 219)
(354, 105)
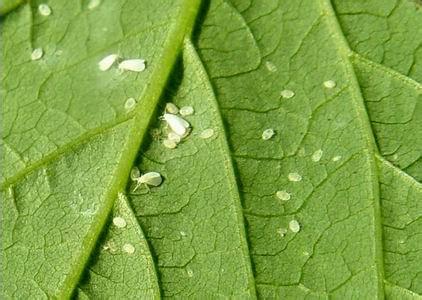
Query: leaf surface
(338, 83)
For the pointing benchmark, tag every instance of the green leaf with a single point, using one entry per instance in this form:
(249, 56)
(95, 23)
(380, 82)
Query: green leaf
(346, 154)
(67, 146)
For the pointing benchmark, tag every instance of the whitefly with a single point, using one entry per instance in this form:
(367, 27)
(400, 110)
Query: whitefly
(177, 124)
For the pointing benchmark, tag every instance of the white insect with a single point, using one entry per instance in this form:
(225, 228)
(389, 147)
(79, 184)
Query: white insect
(134, 65)
(93, 4)
(128, 248)
(207, 133)
(270, 66)
(169, 144)
(336, 158)
(107, 62)
(295, 177)
(119, 222)
(329, 84)
(294, 226)
(172, 108)
(186, 111)
(37, 54)
(179, 125)
(148, 179)
(282, 231)
(130, 104)
(283, 195)
(44, 9)
(316, 157)
(189, 272)
(287, 94)
(268, 134)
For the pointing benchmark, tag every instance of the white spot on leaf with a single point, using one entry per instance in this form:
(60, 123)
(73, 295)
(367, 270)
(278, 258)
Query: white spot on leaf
(37, 54)
(128, 248)
(294, 226)
(119, 222)
(267, 134)
(172, 108)
(207, 133)
(316, 156)
(295, 177)
(186, 111)
(287, 94)
(93, 4)
(329, 84)
(130, 104)
(283, 195)
(44, 9)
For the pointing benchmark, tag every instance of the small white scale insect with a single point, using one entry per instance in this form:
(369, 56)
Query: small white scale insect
(134, 65)
(179, 125)
(148, 179)
(44, 9)
(186, 111)
(268, 134)
(37, 53)
(172, 108)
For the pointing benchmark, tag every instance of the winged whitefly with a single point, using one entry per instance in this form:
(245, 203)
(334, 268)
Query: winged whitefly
(106, 63)
(179, 125)
(150, 178)
(134, 65)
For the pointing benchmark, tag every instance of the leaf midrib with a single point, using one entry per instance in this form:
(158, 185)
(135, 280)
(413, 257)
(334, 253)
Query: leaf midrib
(143, 116)
(366, 129)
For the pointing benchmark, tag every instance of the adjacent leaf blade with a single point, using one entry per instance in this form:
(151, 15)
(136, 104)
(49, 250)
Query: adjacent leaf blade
(338, 250)
(401, 198)
(386, 32)
(394, 104)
